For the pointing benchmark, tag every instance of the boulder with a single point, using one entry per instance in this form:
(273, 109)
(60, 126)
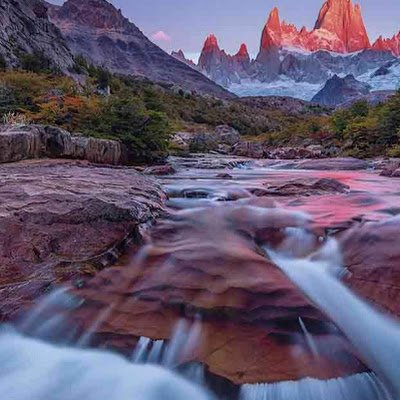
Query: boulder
(160, 170)
(390, 168)
(372, 257)
(334, 164)
(294, 153)
(38, 141)
(206, 263)
(307, 187)
(249, 149)
(227, 135)
(61, 220)
(221, 140)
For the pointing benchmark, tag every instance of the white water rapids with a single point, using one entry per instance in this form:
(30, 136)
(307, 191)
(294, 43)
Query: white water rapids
(35, 368)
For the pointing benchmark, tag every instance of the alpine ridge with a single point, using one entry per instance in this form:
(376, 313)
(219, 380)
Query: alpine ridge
(98, 31)
(339, 28)
(294, 61)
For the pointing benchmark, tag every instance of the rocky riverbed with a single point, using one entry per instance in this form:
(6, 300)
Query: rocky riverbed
(210, 220)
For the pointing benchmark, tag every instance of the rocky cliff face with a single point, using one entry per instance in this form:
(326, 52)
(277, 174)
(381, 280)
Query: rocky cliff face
(180, 55)
(339, 28)
(99, 32)
(38, 141)
(25, 28)
(338, 44)
(222, 67)
(388, 44)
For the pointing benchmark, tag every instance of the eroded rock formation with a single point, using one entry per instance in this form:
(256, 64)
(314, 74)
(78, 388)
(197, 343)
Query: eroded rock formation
(37, 141)
(64, 220)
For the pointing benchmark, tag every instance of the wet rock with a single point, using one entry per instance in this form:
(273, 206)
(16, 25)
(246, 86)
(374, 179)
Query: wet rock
(206, 262)
(61, 220)
(160, 170)
(38, 141)
(390, 168)
(295, 153)
(308, 187)
(224, 176)
(249, 149)
(372, 256)
(330, 164)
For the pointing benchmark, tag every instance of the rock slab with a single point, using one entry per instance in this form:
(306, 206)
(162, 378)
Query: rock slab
(60, 220)
(39, 141)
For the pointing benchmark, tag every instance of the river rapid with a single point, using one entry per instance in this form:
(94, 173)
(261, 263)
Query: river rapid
(241, 240)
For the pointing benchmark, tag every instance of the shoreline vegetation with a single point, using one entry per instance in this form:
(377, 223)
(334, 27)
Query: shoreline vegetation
(144, 115)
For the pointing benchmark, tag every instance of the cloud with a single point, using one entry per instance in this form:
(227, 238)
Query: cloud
(161, 36)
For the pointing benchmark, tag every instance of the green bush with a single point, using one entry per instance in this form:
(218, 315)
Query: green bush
(3, 63)
(35, 62)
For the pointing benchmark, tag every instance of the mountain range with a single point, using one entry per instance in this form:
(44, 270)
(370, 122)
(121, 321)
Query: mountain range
(290, 62)
(99, 32)
(299, 62)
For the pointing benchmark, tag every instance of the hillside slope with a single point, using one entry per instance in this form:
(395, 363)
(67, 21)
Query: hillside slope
(25, 28)
(98, 31)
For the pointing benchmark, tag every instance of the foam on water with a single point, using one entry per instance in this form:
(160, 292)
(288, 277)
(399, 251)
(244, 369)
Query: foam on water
(357, 387)
(374, 335)
(34, 370)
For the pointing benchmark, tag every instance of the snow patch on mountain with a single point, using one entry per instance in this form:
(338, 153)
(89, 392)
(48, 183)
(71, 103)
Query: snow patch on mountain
(281, 87)
(384, 81)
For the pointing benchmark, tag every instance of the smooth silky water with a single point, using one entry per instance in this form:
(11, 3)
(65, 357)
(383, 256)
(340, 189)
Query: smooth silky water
(44, 358)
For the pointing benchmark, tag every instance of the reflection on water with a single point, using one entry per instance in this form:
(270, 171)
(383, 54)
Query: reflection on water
(206, 256)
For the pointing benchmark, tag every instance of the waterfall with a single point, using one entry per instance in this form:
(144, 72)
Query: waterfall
(35, 370)
(357, 387)
(374, 335)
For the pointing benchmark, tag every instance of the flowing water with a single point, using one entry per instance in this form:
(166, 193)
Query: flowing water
(45, 357)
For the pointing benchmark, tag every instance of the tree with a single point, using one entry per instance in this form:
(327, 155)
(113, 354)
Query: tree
(390, 120)
(3, 63)
(36, 62)
(359, 109)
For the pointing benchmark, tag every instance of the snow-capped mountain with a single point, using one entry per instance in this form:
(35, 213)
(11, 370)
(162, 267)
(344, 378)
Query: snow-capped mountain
(298, 62)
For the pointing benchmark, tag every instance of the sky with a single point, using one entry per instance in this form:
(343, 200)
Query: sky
(184, 24)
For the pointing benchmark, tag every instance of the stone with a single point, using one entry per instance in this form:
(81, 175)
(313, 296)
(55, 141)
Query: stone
(206, 262)
(331, 164)
(295, 153)
(372, 257)
(249, 149)
(227, 135)
(308, 187)
(64, 220)
(39, 141)
(160, 170)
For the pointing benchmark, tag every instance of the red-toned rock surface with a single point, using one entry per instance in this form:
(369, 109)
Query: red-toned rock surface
(206, 262)
(339, 28)
(60, 220)
(372, 255)
(388, 44)
(308, 187)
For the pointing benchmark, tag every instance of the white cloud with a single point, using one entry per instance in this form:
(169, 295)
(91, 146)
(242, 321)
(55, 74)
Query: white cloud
(161, 36)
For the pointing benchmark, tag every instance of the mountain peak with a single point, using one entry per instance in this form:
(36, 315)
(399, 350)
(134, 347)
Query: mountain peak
(98, 14)
(344, 22)
(388, 44)
(211, 43)
(272, 33)
(243, 52)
